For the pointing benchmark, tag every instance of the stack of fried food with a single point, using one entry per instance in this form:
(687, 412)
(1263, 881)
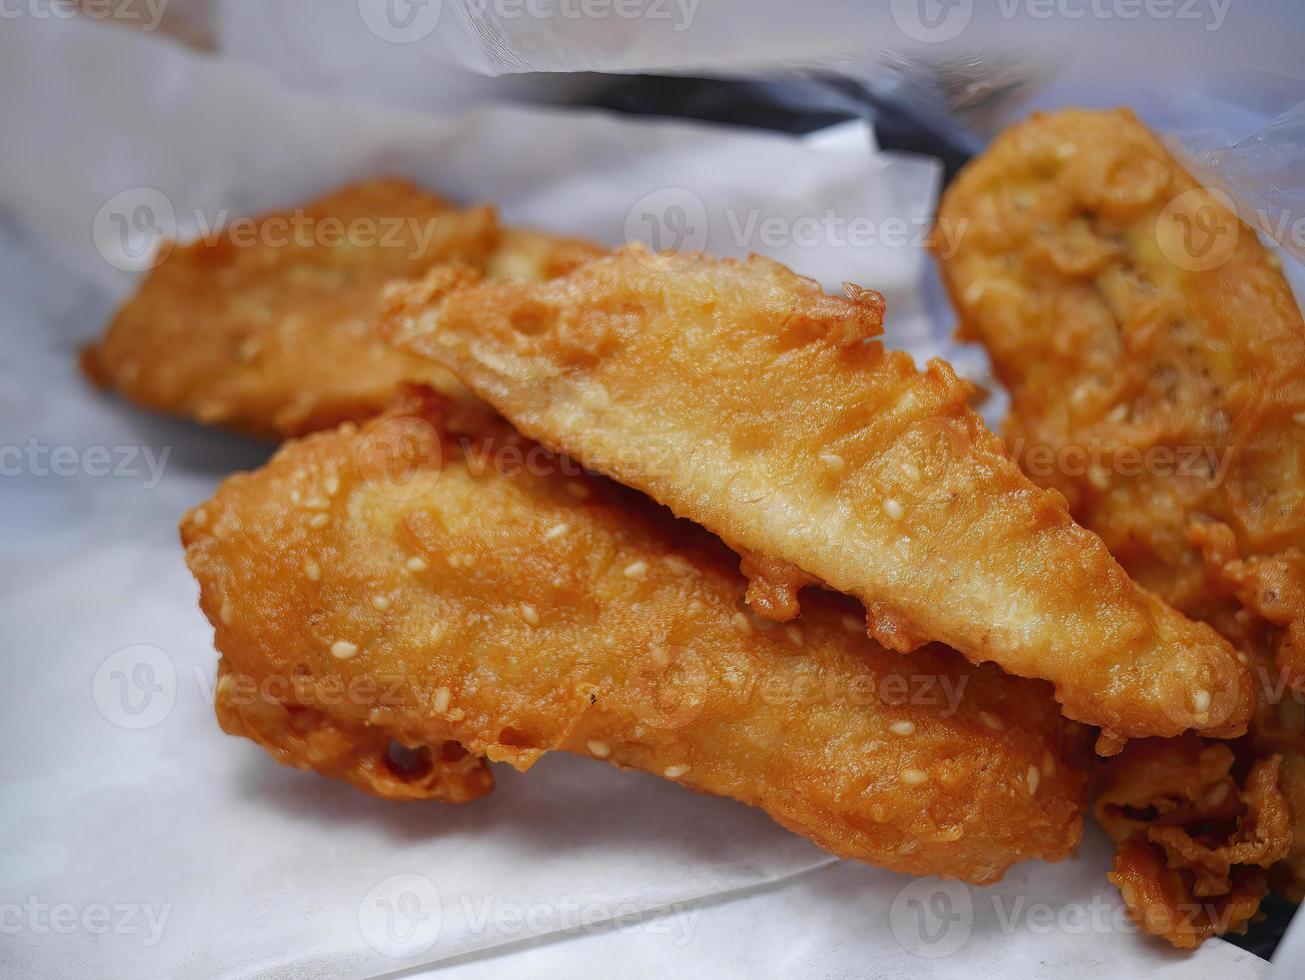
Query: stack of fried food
(689, 516)
(1155, 359)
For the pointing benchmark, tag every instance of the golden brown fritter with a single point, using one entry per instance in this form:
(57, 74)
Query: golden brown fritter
(749, 401)
(1195, 837)
(267, 328)
(1154, 355)
(466, 594)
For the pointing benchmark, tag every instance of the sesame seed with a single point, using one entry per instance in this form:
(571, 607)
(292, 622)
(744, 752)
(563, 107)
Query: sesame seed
(332, 485)
(319, 520)
(599, 750)
(556, 531)
(416, 564)
(1202, 702)
(1048, 764)
(225, 612)
(199, 518)
(457, 714)
(675, 772)
(441, 700)
(343, 649)
(902, 728)
(318, 503)
(911, 471)
(852, 624)
(381, 602)
(528, 614)
(794, 635)
(437, 632)
(741, 623)
(1033, 777)
(833, 461)
(636, 569)
(991, 721)
(348, 428)
(312, 570)
(579, 490)
(296, 497)
(893, 509)
(1299, 418)
(677, 564)
(914, 777)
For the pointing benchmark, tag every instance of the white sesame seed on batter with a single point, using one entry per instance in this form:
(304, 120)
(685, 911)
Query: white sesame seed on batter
(343, 649)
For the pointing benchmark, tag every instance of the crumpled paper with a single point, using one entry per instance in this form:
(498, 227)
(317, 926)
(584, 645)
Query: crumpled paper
(138, 839)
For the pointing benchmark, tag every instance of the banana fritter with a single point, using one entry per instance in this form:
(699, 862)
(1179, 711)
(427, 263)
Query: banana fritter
(1154, 354)
(472, 596)
(267, 327)
(1156, 362)
(749, 401)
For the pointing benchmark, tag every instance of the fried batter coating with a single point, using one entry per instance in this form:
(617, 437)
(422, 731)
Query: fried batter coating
(1154, 353)
(466, 590)
(267, 328)
(1154, 356)
(749, 401)
(1194, 842)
